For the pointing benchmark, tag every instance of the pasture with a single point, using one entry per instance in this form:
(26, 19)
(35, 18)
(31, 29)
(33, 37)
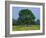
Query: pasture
(25, 28)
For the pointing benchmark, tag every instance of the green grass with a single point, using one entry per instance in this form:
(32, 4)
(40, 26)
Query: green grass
(24, 28)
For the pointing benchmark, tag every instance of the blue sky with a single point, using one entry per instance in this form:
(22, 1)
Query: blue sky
(15, 11)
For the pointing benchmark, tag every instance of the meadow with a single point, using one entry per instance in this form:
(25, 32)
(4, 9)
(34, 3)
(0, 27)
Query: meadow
(24, 28)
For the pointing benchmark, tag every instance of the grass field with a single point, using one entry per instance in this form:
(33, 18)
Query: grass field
(24, 28)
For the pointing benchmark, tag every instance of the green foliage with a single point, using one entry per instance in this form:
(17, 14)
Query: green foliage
(26, 17)
(38, 22)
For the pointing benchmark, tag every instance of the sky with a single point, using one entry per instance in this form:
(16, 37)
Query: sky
(15, 11)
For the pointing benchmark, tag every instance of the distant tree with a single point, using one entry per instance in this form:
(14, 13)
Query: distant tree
(13, 22)
(38, 21)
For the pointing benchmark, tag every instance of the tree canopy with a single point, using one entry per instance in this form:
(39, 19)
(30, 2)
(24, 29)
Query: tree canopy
(26, 17)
